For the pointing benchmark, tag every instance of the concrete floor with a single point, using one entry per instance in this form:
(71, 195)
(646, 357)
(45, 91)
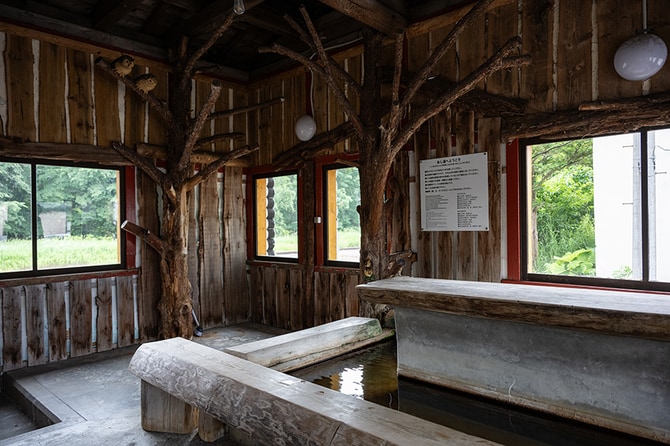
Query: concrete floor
(96, 398)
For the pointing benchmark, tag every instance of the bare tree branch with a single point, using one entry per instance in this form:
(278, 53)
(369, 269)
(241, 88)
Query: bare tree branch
(306, 150)
(145, 164)
(331, 69)
(214, 166)
(198, 124)
(426, 69)
(144, 234)
(245, 109)
(216, 138)
(223, 27)
(390, 129)
(496, 62)
(159, 106)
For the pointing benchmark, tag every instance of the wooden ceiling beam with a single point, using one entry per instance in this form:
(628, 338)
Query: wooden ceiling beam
(209, 17)
(371, 13)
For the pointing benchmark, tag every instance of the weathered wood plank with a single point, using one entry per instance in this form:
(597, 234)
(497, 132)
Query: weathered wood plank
(616, 312)
(337, 296)
(107, 113)
(574, 55)
(308, 254)
(36, 312)
(256, 293)
(105, 318)
(211, 261)
(52, 115)
(466, 241)
(193, 244)
(424, 250)
(149, 288)
(80, 97)
(270, 295)
(502, 24)
(283, 286)
(489, 258)
(162, 412)
(236, 290)
(615, 32)
(11, 327)
(80, 317)
(278, 121)
(126, 309)
(20, 88)
(657, 23)
(298, 300)
(57, 321)
(442, 134)
(321, 297)
(352, 302)
(300, 348)
(536, 79)
(135, 115)
(223, 125)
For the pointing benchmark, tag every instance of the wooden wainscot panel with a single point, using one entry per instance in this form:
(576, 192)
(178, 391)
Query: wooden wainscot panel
(283, 286)
(126, 310)
(36, 313)
(57, 321)
(104, 319)
(80, 317)
(11, 327)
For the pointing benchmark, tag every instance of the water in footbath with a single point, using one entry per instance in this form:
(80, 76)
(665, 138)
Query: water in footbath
(371, 374)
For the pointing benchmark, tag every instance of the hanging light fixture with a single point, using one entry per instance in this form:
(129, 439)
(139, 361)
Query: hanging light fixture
(641, 56)
(238, 7)
(305, 128)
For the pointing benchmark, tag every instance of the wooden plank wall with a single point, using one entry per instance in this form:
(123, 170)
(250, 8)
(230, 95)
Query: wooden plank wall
(56, 320)
(53, 321)
(572, 63)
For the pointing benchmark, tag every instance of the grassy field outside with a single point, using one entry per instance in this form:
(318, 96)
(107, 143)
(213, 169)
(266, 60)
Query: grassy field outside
(16, 255)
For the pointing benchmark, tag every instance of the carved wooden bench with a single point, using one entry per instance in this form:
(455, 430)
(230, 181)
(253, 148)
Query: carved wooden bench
(185, 384)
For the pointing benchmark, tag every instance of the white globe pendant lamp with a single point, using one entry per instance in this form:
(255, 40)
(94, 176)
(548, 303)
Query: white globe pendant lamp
(305, 128)
(641, 56)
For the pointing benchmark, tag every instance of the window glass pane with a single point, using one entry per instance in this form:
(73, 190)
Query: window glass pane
(659, 205)
(584, 218)
(343, 196)
(277, 216)
(77, 217)
(15, 218)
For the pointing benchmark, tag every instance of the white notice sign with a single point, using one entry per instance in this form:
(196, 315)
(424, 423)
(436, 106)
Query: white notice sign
(455, 193)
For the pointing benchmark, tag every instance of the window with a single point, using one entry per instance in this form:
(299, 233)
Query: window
(56, 218)
(276, 216)
(596, 209)
(341, 221)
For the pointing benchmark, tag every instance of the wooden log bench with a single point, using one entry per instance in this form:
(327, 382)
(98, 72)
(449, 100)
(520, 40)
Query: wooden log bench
(596, 356)
(185, 384)
(301, 348)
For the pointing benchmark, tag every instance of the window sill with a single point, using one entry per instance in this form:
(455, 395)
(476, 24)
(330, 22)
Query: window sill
(37, 280)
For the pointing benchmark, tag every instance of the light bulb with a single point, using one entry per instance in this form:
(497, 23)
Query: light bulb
(640, 57)
(238, 7)
(305, 128)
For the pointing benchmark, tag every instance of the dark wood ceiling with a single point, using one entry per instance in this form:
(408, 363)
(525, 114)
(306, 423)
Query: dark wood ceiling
(150, 27)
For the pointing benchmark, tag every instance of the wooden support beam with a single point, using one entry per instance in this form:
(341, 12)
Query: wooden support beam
(372, 13)
(83, 153)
